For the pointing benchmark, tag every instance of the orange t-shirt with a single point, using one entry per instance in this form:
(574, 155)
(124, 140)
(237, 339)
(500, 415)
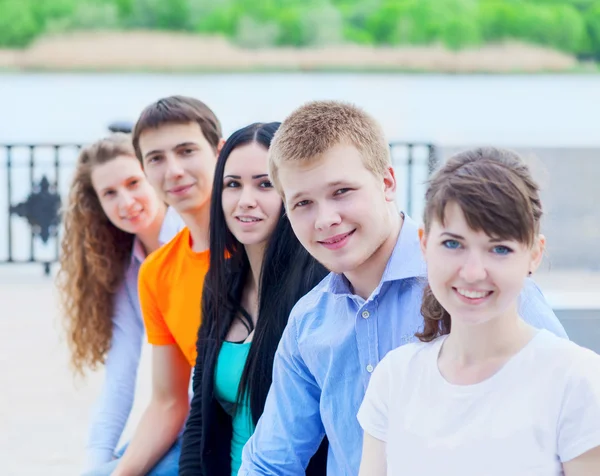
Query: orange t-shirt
(170, 288)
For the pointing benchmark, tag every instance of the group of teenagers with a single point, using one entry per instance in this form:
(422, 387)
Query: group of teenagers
(300, 323)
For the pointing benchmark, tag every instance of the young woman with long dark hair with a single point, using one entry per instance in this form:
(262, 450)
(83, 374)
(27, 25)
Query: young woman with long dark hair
(258, 270)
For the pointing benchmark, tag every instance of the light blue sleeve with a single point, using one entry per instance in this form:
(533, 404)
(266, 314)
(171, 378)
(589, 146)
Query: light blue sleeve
(535, 310)
(114, 404)
(290, 430)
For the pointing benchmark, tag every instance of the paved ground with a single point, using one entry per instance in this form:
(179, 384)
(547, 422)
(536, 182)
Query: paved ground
(44, 411)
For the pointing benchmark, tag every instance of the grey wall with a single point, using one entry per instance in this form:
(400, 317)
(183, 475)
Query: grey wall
(570, 182)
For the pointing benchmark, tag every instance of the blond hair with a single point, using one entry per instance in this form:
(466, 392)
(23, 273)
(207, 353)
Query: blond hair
(93, 260)
(314, 128)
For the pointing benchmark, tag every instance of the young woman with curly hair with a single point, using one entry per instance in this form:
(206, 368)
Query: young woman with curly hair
(113, 220)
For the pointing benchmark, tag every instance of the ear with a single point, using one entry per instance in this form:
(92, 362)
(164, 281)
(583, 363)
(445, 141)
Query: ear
(389, 184)
(537, 253)
(220, 145)
(422, 239)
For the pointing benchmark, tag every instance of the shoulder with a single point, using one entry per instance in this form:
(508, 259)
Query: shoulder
(566, 358)
(403, 366)
(311, 307)
(411, 354)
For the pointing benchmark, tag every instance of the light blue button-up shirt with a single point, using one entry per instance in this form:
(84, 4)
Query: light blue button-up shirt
(333, 341)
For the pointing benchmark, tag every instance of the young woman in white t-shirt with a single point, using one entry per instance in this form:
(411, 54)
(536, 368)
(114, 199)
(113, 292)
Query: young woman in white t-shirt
(482, 393)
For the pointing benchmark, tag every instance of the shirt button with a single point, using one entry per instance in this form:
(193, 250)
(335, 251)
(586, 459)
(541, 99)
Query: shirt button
(369, 368)
(365, 314)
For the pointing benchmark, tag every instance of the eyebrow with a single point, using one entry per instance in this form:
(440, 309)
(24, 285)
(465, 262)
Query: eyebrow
(452, 235)
(254, 177)
(458, 237)
(337, 183)
(178, 146)
(131, 177)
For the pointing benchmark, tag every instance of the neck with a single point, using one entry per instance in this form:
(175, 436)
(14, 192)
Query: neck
(365, 279)
(198, 224)
(255, 255)
(150, 236)
(500, 337)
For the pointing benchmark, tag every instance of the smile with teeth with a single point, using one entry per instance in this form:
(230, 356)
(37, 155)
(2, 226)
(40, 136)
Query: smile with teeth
(133, 217)
(472, 294)
(248, 219)
(337, 238)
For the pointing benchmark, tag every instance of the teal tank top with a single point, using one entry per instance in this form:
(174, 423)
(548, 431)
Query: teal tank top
(228, 373)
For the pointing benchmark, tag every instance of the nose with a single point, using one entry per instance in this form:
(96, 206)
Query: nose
(327, 216)
(247, 198)
(126, 201)
(473, 269)
(174, 169)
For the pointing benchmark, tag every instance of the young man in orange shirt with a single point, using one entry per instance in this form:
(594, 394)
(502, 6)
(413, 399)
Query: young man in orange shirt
(177, 139)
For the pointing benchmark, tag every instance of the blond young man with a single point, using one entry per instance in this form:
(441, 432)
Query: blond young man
(177, 140)
(331, 164)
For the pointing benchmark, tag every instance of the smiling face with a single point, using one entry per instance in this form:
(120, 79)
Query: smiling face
(339, 210)
(251, 205)
(179, 163)
(125, 195)
(474, 276)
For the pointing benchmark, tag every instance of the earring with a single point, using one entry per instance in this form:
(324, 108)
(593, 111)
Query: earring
(530, 273)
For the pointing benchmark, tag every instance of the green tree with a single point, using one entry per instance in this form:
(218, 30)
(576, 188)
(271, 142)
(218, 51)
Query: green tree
(18, 25)
(592, 20)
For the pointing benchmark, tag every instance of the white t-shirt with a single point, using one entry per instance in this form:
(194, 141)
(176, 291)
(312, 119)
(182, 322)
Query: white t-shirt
(540, 409)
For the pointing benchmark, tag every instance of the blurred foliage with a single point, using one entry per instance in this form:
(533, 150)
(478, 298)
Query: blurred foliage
(572, 26)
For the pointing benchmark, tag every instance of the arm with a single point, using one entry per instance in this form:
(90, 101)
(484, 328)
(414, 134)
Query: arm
(116, 399)
(290, 428)
(165, 416)
(373, 417)
(579, 420)
(373, 457)
(535, 310)
(585, 465)
(190, 461)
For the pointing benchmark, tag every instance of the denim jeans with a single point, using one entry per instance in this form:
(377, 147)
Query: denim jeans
(168, 465)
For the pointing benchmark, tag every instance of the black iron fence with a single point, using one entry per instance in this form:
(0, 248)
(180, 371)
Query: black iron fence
(37, 178)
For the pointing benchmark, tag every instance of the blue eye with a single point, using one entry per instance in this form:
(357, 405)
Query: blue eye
(451, 244)
(501, 250)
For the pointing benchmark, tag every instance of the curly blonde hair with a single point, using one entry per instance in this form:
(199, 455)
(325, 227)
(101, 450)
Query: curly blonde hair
(94, 259)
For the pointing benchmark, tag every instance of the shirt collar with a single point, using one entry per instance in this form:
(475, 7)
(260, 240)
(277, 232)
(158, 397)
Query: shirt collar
(137, 252)
(405, 262)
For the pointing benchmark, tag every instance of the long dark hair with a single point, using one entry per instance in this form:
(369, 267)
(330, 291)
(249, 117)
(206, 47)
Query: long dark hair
(497, 194)
(288, 273)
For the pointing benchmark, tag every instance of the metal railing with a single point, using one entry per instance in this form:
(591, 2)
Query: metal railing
(37, 178)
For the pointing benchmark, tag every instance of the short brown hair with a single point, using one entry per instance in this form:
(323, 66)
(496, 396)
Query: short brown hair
(178, 110)
(314, 128)
(497, 194)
